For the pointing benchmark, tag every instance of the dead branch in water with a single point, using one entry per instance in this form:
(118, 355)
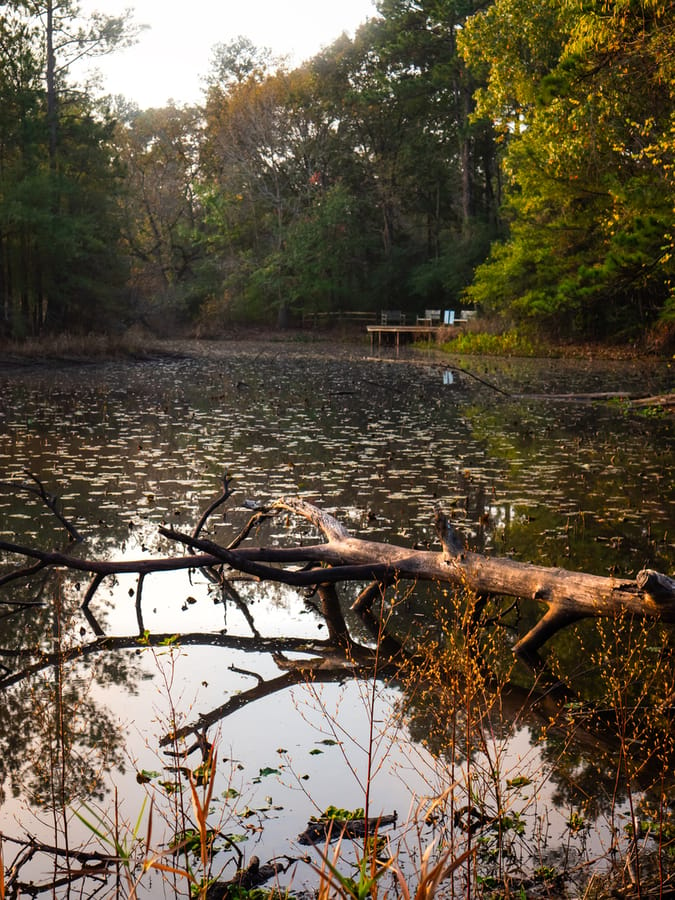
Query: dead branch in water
(341, 557)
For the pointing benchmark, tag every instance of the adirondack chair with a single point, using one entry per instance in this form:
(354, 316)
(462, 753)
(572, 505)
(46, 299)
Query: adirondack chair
(430, 317)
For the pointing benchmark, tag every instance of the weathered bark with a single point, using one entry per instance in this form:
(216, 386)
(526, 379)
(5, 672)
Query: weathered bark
(660, 588)
(568, 596)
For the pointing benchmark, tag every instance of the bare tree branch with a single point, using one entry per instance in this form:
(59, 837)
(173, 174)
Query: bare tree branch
(568, 596)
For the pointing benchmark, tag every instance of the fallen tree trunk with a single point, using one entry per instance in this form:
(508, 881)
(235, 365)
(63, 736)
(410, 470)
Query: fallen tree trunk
(568, 596)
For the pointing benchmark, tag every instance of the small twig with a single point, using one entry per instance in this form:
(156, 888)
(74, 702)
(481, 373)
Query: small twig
(248, 673)
(332, 614)
(230, 593)
(368, 596)
(358, 572)
(248, 528)
(497, 620)
(91, 590)
(88, 614)
(83, 856)
(451, 542)
(482, 381)
(50, 501)
(93, 622)
(213, 506)
(21, 573)
(139, 609)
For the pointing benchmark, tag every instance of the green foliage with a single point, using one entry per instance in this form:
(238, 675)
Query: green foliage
(546, 873)
(336, 812)
(59, 216)
(190, 840)
(656, 826)
(518, 782)
(444, 277)
(162, 231)
(376, 175)
(363, 886)
(511, 343)
(585, 100)
(576, 823)
(237, 892)
(349, 192)
(265, 772)
(104, 829)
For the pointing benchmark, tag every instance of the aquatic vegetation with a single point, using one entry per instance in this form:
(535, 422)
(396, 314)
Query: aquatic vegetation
(129, 448)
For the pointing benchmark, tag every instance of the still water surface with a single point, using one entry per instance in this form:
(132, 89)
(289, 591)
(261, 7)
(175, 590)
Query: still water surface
(378, 442)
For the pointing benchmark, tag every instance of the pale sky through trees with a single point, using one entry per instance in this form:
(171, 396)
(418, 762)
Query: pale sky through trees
(173, 55)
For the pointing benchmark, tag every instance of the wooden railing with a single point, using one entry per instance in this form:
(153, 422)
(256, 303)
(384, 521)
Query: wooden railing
(336, 317)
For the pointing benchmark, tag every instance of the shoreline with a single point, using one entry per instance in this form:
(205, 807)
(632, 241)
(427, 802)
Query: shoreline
(93, 349)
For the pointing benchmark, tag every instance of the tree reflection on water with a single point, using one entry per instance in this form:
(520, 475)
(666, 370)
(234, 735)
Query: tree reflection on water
(518, 480)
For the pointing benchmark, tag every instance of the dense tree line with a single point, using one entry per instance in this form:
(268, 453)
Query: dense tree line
(583, 95)
(60, 265)
(516, 154)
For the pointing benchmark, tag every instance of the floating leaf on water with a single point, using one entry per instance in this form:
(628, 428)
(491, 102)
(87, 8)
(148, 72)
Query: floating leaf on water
(315, 751)
(246, 813)
(234, 838)
(144, 776)
(170, 786)
(518, 781)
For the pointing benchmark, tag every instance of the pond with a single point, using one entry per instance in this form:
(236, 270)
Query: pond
(91, 696)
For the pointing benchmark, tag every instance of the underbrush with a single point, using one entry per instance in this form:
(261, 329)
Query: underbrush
(491, 336)
(479, 343)
(134, 343)
(481, 828)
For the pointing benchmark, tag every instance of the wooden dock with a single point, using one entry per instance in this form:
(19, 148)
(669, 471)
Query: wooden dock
(397, 330)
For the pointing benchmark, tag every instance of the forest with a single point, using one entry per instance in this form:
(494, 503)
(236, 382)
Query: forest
(516, 156)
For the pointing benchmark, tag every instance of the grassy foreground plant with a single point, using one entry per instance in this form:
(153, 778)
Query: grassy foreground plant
(136, 856)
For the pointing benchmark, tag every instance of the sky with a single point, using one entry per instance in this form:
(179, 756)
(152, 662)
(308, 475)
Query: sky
(172, 56)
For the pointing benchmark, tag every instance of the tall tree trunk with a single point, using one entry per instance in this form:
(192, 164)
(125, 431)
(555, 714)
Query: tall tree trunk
(42, 301)
(466, 149)
(52, 111)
